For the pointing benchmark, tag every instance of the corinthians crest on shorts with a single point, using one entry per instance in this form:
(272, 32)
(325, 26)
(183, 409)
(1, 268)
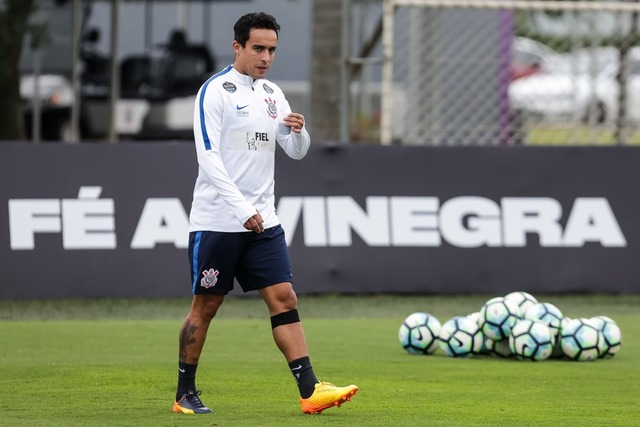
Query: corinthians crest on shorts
(210, 278)
(272, 111)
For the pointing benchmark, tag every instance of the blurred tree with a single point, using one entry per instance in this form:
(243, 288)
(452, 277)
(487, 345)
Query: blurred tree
(325, 69)
(14, 16)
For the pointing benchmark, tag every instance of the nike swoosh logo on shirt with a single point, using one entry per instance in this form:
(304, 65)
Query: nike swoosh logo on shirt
(241, 108)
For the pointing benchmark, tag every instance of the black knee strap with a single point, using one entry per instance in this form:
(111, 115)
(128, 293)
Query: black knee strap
(285, 318)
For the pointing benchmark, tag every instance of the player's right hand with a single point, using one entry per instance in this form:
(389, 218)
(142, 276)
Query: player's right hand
(255, 223)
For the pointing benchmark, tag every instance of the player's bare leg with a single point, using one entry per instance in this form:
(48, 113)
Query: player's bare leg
(193, 335)
(288, 334)
(289, 337)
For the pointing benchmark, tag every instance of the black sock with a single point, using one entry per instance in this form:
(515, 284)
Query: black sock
(305, 378)
(186, 379)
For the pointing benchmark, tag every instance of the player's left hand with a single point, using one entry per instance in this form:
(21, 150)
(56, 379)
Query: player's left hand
(295, 121)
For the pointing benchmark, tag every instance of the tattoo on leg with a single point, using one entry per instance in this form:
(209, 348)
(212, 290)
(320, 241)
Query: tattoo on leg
(186, 338)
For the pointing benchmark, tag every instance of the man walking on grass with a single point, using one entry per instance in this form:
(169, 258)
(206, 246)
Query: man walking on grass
(234, 231)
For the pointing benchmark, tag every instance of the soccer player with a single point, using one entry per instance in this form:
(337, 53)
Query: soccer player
(234, 231)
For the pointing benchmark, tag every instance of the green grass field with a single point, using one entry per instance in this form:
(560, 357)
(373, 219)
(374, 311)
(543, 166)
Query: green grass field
(113, 362)
(578, 135)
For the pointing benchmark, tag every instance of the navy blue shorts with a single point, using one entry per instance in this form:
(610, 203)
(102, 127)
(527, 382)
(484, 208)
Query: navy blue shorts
(255, 260)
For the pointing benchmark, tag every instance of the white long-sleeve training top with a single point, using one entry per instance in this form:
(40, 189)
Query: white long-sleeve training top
(235, 125)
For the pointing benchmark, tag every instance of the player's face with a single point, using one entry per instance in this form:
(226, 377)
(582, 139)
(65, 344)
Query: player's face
(255, 58)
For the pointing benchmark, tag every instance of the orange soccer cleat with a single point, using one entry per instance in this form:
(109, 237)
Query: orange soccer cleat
(325, 396)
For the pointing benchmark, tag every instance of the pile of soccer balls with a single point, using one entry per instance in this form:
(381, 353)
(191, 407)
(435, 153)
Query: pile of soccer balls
(514, 325)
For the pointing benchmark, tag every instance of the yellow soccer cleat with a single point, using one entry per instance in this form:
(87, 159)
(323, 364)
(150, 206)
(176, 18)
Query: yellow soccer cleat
(325, 396)
(190, 403)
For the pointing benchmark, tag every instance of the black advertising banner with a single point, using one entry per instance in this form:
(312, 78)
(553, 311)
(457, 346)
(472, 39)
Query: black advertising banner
(111, 220)
(94, 220)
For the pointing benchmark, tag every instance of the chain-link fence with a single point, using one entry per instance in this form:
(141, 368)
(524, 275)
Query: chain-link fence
(511, 72)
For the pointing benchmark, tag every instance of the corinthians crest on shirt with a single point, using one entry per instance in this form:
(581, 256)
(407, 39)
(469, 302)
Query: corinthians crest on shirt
(210, 278)
(272, 111)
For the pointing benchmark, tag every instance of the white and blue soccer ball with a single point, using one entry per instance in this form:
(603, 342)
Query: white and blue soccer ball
(498, 348)
(580, 340)
(459, 337)
(524, 300)
(497, 317)
(557, 348)
(546, 313)
(475, 316)
(419, 333)
(564, 321)
(531, 340)
(599, 321)
(611, 335)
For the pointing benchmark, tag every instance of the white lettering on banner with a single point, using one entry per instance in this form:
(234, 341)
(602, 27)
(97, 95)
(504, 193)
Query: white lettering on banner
(345, 215)
(466, 221)
(534, 215)
(85, 222)
(88, 222)
(469, 222)
(30, 216)
(593, 220)
(415, 221)
(161, 221)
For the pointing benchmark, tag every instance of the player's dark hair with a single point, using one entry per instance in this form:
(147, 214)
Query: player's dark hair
(252, 21)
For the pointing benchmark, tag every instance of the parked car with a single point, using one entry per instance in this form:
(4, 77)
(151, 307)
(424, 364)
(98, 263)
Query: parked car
(156, 100)
(56, 96)
(578, 87)
(56, 99)
(529, 57)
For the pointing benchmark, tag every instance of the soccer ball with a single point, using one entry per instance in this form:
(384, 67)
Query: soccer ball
(497, 317)
(564, 322)
(611, 335)
(547, 313)
(498, 348)
(581, 340)
(524, 300)
(531, 339)
(419, 332)
(475, 316)
(599, 321)
(557, 348)
(459, 337)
